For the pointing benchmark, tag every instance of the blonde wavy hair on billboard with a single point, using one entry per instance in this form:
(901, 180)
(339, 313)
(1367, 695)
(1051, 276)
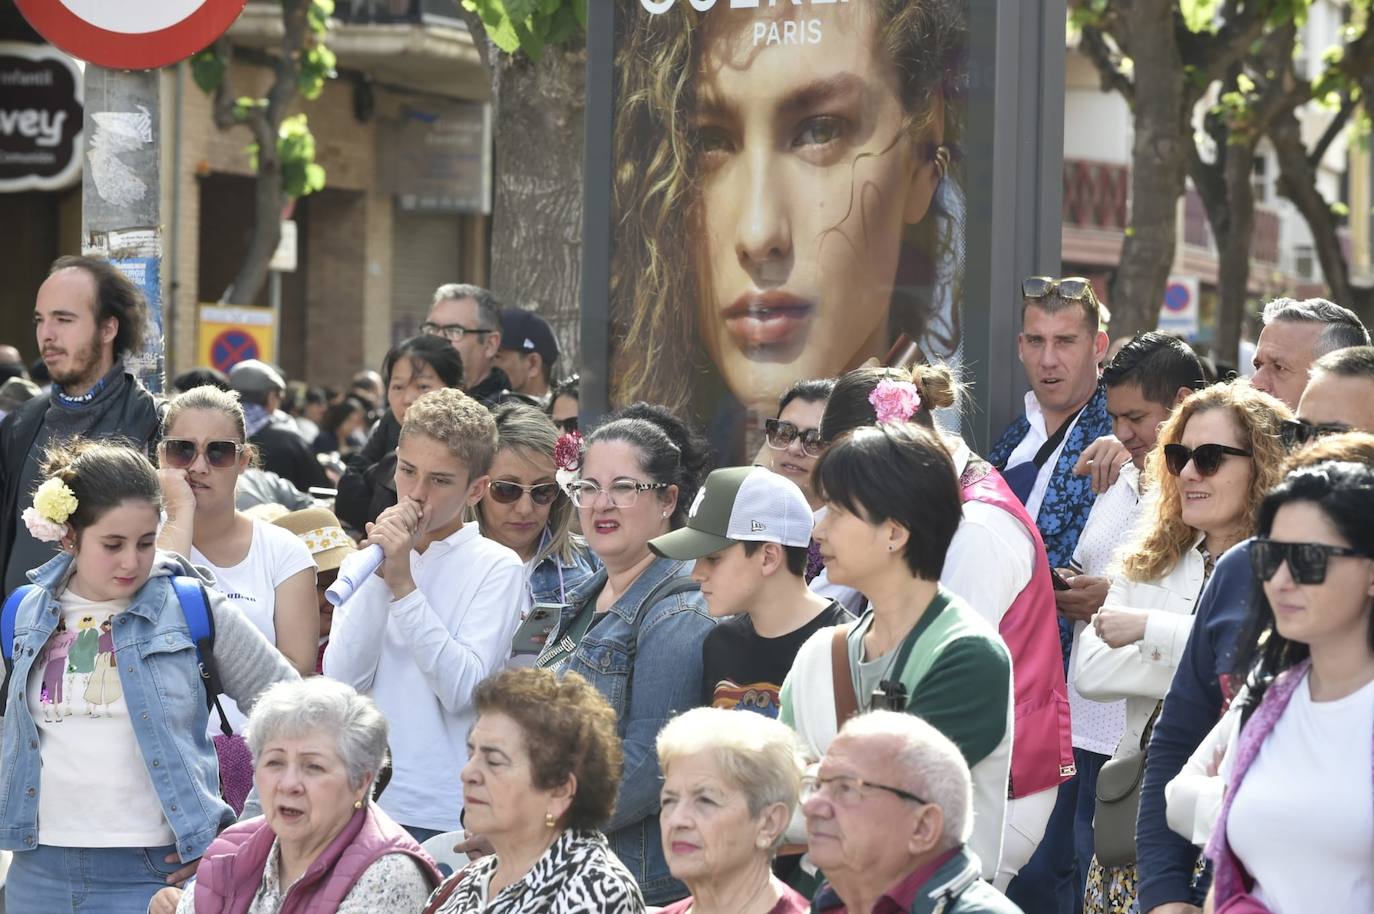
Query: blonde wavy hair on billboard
(654, 289)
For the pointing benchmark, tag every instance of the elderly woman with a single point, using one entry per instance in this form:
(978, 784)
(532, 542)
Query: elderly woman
(730, 785)
(543, 764)
(320, 845)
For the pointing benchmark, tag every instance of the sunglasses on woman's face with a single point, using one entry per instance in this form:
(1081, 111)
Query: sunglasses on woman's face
(180, 453)
(1205, 457)
(780, 436)
(508, 493)
(1306, 561)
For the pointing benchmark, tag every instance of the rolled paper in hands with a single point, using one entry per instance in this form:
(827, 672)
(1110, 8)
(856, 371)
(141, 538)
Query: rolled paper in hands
(352, 572)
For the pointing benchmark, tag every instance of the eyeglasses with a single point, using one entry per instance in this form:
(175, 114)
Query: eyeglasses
(452, 332)
(1205, 457)
(508, 493)
(566, 426)
(180, 453)
(780, 436)
(1070, 288)
(623, 493)
(848, 791)
(1306, 561)
(1297, 432)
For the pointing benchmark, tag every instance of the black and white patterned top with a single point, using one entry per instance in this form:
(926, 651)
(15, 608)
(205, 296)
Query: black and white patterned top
(578, 874)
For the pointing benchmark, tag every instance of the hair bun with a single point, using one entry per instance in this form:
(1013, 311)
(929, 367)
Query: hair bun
(937, 384)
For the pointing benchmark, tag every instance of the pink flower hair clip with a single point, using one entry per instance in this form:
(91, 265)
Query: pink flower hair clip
(567, 454)
(894, 401)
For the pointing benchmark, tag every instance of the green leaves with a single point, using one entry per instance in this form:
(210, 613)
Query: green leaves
(530, 25)
(207, 69)
(1199, 15)
(296, 153)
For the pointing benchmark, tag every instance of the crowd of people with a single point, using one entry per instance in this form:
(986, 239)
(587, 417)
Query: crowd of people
(1123, 663)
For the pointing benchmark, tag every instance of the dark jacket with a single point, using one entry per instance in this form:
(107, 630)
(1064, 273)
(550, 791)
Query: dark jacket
(135, 417)
(955, 888)
(368, 485)
(1165, 860)
(285, 453)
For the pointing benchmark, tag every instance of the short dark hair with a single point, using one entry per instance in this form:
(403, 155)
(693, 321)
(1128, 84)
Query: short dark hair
(1159, 363)
(201, 377)
(808, 390)
(1343, 328)
(488, 306)
(902, 473)
(434, 351)
(796, 556)
(1350, 362)
(115, 296)
(671, 451)
(569, 731)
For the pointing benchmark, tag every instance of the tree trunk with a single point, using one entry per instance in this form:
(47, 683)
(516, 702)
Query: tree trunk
(1233, 251)
(1158, 166)
(268, 201)
(536, 231)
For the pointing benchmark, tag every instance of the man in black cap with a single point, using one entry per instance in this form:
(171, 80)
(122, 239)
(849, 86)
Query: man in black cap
(283, 450)
(527, 353)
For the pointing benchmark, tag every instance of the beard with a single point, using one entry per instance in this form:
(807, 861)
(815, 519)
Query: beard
(83, 369)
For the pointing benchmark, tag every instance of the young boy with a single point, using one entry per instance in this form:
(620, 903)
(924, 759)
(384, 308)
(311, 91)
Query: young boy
(438, 616)
(749, 531)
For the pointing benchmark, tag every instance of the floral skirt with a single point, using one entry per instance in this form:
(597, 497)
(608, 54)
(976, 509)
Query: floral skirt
(1111, 890)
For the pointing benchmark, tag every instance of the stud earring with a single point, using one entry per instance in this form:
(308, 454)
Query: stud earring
(357, 804)
(665, 513)
(942, 159)
(549, 820)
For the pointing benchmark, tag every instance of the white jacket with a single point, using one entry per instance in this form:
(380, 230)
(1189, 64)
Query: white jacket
(1141, 672)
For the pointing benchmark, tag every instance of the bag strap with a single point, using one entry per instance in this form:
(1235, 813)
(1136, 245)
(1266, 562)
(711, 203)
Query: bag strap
(9, 615)
(195, 606)
(1052, 443)
(846, 702)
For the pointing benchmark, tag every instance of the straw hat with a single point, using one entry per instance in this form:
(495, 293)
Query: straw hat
(319, 529)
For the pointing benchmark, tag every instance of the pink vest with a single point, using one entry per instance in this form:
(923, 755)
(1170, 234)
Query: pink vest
(230, 873)
(1042, 740)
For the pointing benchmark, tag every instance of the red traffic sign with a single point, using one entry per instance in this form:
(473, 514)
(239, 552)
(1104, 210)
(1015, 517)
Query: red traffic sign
(131, 34)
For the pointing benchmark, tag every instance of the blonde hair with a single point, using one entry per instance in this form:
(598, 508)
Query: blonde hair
(757, 754)
(655, 285)
(461, 423)
(1167, 538)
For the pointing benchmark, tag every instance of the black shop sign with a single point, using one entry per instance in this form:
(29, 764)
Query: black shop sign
(40, 118)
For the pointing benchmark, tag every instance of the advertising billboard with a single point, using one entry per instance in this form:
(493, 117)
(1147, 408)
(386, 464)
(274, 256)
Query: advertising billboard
(788, 193)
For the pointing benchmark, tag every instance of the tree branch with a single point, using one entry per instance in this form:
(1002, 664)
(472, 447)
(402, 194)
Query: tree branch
(1113, 78)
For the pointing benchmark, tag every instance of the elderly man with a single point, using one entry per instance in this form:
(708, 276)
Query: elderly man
(1295, 334)
(887, 816)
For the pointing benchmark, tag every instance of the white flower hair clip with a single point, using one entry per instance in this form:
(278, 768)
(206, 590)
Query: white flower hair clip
(53, 504)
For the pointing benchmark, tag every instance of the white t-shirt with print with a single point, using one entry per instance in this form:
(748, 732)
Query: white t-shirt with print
(274, 556)
(94, 788)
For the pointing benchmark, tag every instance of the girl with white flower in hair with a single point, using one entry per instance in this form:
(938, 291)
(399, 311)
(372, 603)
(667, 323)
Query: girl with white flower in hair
(997, 564)
(107, 802)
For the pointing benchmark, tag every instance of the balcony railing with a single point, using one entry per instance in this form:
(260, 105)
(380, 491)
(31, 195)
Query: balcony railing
(1197, 231)
(363, 12)
(1095, 194)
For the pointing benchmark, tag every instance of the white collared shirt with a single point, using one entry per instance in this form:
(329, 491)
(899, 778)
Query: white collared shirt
(1025, 451)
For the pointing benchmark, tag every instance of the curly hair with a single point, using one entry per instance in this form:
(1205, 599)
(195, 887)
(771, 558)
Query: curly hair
(655, 285)
(459, 422)
(1258, 415)
(570, 731)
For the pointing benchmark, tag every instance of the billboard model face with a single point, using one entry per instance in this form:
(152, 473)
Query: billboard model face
(786, 196)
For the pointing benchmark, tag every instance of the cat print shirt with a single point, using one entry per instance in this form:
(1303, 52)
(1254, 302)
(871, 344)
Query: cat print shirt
(94, 790)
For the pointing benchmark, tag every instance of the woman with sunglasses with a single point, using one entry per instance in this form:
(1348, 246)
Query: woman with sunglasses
(525, 510)
(263, 569)
(793, 437)
(564, 404)
(635, 628)
(1213, 461)
(1296, 827)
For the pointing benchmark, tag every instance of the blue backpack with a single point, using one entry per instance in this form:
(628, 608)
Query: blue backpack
(195, 605)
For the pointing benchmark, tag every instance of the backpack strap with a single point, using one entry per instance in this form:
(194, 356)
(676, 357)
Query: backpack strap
(8, 616)
(195, 606)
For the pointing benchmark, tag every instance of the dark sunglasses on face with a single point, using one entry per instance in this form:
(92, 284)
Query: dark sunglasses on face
(780, 436)
(1297, 432)
(1306, 561)
(566, 426)
(180, 453)
(508, 493)
(1070, 288)
(1205, 457)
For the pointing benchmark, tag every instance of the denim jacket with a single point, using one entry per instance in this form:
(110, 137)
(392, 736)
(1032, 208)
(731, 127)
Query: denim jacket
(646, 661)
(555, 582)
(166, 702)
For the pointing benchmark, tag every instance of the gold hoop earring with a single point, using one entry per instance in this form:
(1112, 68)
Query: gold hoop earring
(942, 160)
(357, 804)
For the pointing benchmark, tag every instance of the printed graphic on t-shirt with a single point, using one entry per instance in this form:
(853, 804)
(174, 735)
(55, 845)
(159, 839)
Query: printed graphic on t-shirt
(761, 697)
(80, 673)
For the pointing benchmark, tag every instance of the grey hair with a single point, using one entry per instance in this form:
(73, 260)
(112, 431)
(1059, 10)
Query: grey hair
(1343, 329)
(488, 306)
(757, 754)
(322, 705)
(1350, 362)
(931, 766)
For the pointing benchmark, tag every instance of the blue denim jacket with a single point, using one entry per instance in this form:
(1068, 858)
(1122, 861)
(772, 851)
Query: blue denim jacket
(547, 585)
(166, 708)
(646, 661)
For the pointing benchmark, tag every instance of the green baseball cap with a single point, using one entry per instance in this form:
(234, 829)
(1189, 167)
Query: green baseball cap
(740, 504)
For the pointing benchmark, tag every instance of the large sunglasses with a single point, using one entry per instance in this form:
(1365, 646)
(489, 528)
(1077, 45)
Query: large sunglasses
(780, 436)
(566, 426)
(1070, 288)
(1205, 457)
(1297, 432)
(180, 453)
(508, 493)
(1306, 561)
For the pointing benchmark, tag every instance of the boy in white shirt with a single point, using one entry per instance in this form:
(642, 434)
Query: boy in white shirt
(439, 615)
